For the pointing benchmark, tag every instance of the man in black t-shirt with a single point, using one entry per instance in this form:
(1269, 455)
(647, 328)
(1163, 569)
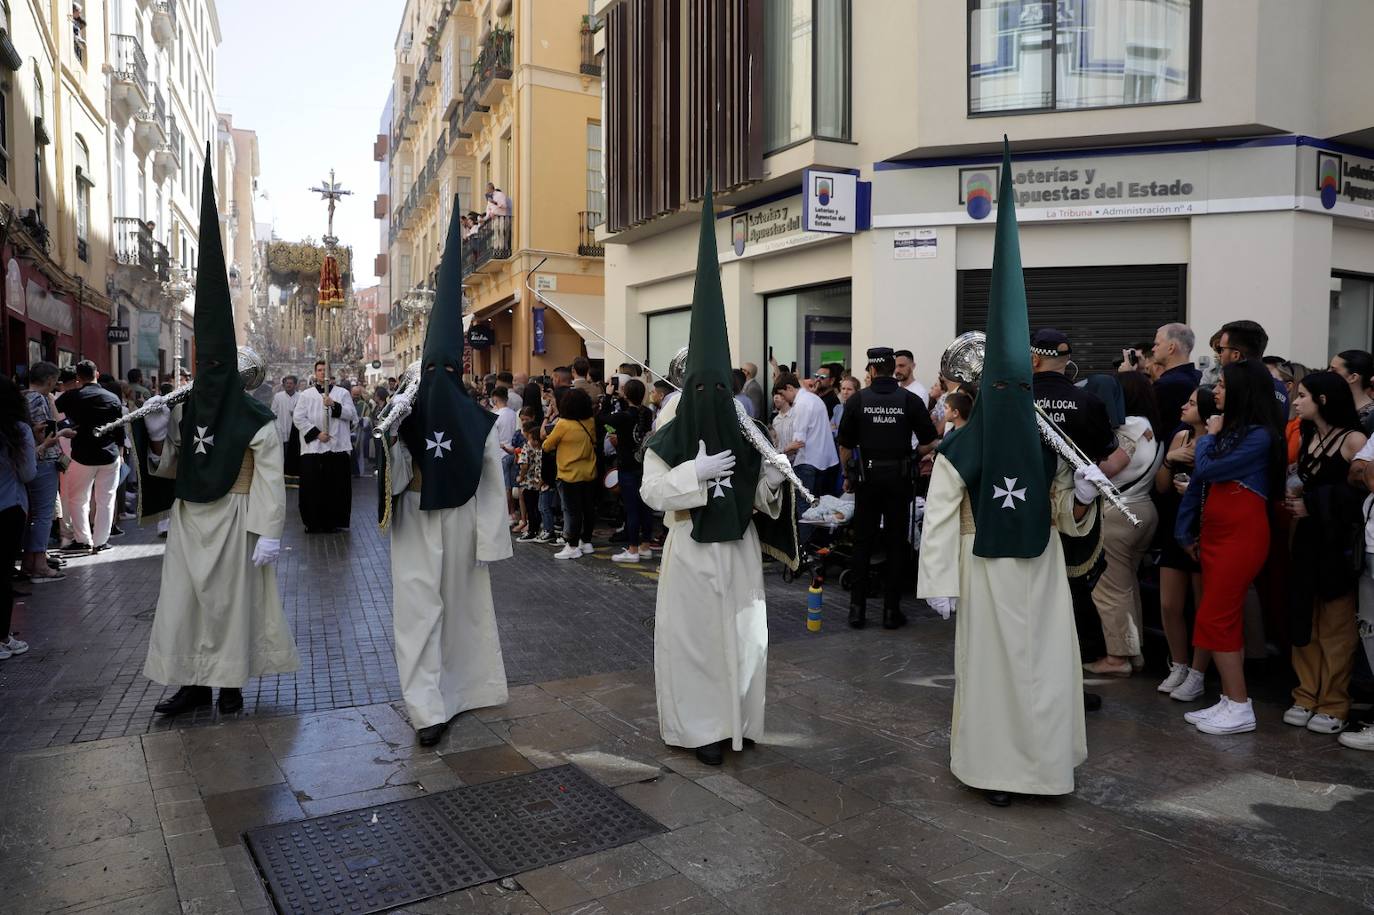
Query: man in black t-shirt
(93, 474)
(1082, 417)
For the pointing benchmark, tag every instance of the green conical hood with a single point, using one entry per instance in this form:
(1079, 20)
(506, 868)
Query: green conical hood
(220, 418)
(446, 431)
(998, 453)
(706, 408)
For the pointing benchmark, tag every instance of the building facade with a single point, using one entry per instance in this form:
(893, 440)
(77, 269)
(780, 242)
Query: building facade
(1174, 160)
(240, 165)
(503, 93)
(54, 215)
(163, 124)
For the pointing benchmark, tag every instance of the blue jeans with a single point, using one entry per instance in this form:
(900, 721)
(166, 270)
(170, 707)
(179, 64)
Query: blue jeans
(547, 500)
(636, 519)
(42, 507)
(808, 475)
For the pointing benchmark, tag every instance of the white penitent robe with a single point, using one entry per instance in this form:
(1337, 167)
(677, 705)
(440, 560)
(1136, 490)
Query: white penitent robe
(1018, 691)
(711, 624)
(219, 618)
(448, 650)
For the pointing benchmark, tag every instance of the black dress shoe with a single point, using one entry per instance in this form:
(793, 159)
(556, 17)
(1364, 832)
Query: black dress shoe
(1091, 702)
(100, 549)
(428, 737)
(77, 549)
(184, 700)
(711, 754)
(116, 531)
(998, 798)
(230, 700)
(162, 535)
(893, 618)
(857, 616)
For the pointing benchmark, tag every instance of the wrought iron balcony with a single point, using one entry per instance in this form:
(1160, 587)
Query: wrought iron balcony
(587, 245)
(492, 71)
(491, 242)
(590, 65)
(164, 24)
(150, 125)
(133, 243)
(129, 91)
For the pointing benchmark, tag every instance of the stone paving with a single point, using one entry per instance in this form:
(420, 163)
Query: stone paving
(846, 805)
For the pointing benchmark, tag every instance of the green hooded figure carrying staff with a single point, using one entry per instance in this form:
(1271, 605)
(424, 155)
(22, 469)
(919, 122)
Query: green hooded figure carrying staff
(219, 616)
(711, 624)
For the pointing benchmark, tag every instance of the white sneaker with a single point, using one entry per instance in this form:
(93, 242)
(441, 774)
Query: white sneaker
(625, 556)
(5, 653)
(1358, 740)
(1190, 689)
(645, 553)
(14, 646)
(1199, 715)
(1177, 674)
(1319, 724)
(544, 537)
(1297, 716)
(568, 552)
(1235, 718)
(587, 548)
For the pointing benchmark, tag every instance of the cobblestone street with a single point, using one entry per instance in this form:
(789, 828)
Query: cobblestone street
(846, 806)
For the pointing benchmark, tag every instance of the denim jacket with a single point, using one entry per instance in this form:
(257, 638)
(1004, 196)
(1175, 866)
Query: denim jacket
(1247, 464)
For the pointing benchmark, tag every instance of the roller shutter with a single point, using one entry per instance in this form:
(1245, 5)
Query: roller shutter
(1102, 309)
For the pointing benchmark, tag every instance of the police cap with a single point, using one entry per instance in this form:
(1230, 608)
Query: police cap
(1050, 342)
(878, 353)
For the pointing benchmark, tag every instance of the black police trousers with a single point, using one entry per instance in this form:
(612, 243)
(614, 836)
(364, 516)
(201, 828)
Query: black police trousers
(884, 496)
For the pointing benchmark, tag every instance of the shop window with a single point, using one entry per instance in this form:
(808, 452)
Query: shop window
(668, 332)
(809, 327)
(806, 48)
(1352, 314)
(1057, 55)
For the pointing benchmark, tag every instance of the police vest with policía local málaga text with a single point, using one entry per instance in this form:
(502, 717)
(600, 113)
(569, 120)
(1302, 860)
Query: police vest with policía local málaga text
(885, 429)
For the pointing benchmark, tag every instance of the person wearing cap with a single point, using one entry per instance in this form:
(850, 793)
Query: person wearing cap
(875, 436)
(1082, 417)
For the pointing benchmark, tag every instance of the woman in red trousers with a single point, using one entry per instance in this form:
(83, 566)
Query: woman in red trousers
(1238, 466)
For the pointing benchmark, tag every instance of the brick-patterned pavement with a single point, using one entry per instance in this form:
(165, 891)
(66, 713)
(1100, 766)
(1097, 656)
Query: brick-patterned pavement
(83, 678)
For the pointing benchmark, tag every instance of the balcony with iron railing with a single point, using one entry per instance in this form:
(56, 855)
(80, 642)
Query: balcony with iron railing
(587, 245)
(133, 243)
(492, 71)
(455, 126)
(470, 115)
(590, 65)
(150, 125)
(129, 91)
(167, 157)
(164, 24)
(490, 242)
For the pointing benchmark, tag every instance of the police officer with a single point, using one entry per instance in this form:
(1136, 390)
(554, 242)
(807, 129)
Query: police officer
(879, 423)
(1081, 416)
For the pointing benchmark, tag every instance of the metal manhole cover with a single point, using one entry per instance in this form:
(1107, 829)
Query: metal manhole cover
(21, 674)
(380, 857)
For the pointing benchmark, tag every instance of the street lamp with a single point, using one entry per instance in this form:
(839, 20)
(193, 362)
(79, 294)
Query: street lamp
(175, 289)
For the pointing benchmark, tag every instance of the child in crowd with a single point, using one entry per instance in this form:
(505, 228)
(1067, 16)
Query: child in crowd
(530, 480)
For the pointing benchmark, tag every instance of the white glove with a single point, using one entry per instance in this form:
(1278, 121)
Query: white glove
(713, 466)
(156, 402)
(266, 551)
(1085, 482)
(773, 474)
(941, 605)
(157, 424)
(482, 563)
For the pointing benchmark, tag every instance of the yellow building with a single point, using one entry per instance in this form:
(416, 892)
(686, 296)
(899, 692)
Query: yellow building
(54, 213)
(506, 93)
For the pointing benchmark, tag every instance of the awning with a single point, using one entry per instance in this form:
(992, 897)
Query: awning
(585, 314)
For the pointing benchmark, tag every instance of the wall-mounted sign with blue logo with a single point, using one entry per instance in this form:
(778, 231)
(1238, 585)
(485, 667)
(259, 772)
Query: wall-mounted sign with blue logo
(538, 331)
(481, 336)
(836, 202)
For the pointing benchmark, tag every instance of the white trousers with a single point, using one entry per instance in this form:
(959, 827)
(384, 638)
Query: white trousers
(92, 484)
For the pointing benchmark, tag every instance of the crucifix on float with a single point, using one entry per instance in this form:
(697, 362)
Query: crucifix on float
(332, 192)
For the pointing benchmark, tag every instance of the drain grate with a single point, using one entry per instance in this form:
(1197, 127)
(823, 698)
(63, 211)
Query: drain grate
(380, 857)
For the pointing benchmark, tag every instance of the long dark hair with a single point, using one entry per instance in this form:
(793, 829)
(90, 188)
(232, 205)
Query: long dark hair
(1250, 402)
(530, 394)
(1139, 395)
(1335, 404)
(14, 412)
(1358, 362)
(575, 405)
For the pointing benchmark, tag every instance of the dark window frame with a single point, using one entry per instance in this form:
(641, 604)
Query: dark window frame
(813, 136)
(1194, 70)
